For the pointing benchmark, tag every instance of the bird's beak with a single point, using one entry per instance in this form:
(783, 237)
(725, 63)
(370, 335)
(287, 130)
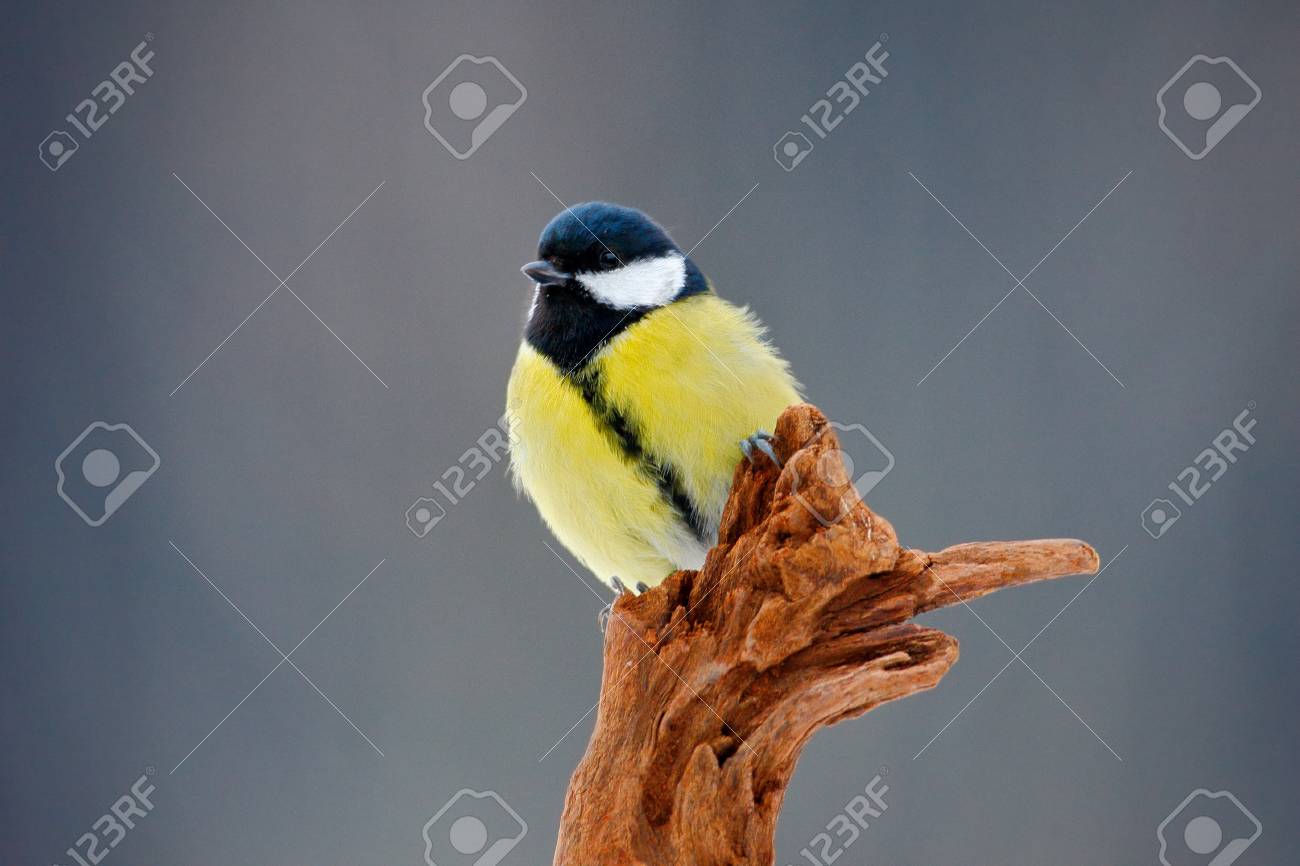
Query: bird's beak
(544, 275)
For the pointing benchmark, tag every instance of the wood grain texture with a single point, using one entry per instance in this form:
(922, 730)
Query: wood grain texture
(716, 679)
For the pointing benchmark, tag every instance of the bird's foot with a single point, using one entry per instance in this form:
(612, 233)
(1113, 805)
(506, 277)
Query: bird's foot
(761, 441)
(602, 618)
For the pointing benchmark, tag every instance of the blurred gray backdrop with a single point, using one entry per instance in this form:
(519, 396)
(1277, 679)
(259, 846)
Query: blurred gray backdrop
(289, 460)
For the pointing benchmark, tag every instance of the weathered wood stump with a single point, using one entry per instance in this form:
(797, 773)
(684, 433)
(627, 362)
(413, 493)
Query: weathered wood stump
(714, 680)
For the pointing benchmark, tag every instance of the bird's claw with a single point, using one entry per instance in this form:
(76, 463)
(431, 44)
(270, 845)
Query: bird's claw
(620, 590)
(762, 441)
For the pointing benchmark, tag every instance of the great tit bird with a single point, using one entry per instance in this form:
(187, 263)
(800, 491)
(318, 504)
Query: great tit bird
(635, 392)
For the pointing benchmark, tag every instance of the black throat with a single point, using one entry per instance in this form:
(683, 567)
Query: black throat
(569, 327)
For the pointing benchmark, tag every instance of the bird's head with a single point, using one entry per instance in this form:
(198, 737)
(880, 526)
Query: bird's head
(605, 255)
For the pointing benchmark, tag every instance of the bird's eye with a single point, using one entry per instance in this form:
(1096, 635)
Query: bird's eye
(608, 260)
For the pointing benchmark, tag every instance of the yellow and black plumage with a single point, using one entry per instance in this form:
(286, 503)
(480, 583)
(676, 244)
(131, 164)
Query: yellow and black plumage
(635, 392)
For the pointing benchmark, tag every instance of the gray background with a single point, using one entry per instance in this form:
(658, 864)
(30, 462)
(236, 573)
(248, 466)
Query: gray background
(286, 467)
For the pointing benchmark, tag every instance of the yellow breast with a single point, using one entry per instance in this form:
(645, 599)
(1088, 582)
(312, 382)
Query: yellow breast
(629, 459)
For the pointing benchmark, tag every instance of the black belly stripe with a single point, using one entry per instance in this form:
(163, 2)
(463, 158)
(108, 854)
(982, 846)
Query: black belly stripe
(666, 477)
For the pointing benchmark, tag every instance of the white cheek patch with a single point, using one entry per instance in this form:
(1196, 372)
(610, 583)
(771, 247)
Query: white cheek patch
(644, 283)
